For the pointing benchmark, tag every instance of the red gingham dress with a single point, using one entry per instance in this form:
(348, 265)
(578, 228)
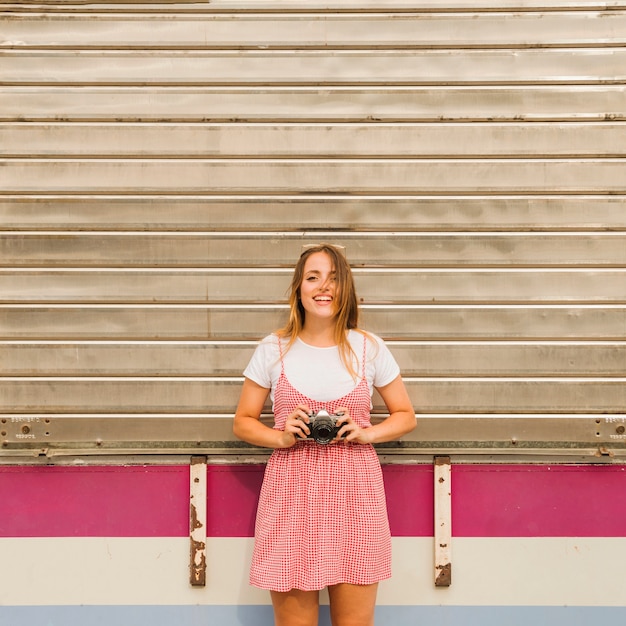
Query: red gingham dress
(322, 516)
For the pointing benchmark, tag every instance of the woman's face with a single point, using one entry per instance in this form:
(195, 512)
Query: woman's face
(318, 288)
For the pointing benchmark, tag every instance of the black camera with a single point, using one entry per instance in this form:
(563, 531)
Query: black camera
(323, 426)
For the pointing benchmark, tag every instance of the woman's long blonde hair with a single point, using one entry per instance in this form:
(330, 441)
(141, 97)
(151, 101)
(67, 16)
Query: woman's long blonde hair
(345, 303)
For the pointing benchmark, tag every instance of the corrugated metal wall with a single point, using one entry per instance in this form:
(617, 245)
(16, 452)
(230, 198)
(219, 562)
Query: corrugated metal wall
(163, 163)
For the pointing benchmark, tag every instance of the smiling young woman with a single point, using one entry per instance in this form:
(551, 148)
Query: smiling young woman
(322, 519)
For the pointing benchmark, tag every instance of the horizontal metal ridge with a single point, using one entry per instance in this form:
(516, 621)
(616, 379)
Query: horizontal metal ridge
(238, 379)
(591, 359)
(166, 30)
(573, 66)
(411, 381)
(52, 395)
(259, 285)
(239, 249)
(321, 213)
(329, 103)
(317, 6)
(287, 176)
(530, 140)
(495, 436)
(202, 322)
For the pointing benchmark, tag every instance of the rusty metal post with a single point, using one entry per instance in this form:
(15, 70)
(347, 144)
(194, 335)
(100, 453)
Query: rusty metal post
(197, 520)
(443, 522)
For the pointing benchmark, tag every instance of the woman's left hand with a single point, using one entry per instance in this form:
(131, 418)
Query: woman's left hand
(350, 431)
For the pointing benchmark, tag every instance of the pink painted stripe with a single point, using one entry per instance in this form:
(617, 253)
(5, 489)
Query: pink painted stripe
(539, 501)
(153, 501)
(94, 501)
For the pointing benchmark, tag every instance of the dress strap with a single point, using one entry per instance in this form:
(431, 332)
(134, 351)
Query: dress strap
(280, 351)
(364, 354)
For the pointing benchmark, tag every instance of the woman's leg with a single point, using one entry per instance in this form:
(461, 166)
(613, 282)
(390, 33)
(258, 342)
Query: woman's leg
(352, 605)
(295, 607)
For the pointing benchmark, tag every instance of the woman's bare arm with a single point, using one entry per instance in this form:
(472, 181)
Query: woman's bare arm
(247, 424)
(401, 418)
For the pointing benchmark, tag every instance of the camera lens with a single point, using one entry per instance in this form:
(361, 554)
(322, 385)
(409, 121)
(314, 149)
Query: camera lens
(323, 435)
(323, 429)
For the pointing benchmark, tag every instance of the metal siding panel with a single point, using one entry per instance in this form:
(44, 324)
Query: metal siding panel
(484, 103)
(250, 322)
(328, 30)
(448, 214)
(159, 141)
(505, 437)
(417, 67)
(470, 155)
(167, 395)
(401, 286)
(279, 249)
(277, 176)
(219, 358)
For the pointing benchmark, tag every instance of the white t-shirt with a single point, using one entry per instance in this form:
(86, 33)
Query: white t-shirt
(319, 373)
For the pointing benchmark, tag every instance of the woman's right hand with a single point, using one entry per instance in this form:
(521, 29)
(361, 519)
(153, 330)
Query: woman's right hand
(296, 426)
